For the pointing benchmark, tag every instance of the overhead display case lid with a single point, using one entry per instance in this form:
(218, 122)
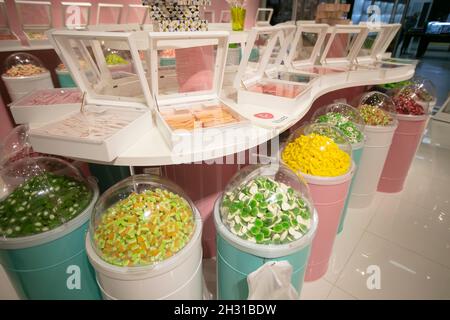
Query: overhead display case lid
(35, 14)
(198, 68)
(378, 39)
(106, 66)
(344, 43)
(307, 44)
(258, 52)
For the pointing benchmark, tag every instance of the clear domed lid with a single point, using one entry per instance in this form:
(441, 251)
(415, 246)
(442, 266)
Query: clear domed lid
(115, 57)
(377, 109)
(425, 89)
(23, 64)
(345, 117)
(413, 100)
(267, 205)
(140, 221)
(318, 149)
(41, 194)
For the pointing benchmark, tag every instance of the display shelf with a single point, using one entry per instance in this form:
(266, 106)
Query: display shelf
(151, 149)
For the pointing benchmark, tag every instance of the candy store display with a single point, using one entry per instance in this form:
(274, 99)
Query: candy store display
(144, 241)
(345, 118)
(264, 214)
(95, 124)
(114, 59)
(315, 153)
(55, 96)
(378, 111)
(327, 168)
(43, 221)
(35, 35)
(24, 73)
(412, 105)
(144, 228)
(349, 121)
(35, 18)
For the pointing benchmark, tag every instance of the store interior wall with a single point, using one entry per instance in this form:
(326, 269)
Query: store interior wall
(216, 5)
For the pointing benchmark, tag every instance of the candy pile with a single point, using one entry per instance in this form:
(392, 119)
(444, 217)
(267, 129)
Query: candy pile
(316, 155)
(114, 59)
(374, 116)
(406, 105)
(144, 228)
(42, 203)
(265, 211)
(344, 124)
(24, 70)
(50, 97)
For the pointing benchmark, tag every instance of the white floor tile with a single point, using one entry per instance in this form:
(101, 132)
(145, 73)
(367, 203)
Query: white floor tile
(339, 294)
(7, 292)
(403, 274)
(424, 231)
(355, 223)
(316, 290)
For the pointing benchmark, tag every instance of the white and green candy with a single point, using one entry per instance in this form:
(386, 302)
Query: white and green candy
(265, 211)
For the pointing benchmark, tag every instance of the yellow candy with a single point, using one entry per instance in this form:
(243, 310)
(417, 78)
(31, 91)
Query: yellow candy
(316, 155)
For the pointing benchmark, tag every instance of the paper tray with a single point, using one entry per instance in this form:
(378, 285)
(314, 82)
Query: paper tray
(70, 137)
(36, 107)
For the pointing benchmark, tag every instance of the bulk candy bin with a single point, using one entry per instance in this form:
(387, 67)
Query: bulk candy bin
(378, 112)
(25, 73)
(412, 106)
(322, 155)
(265, 214)
(44, 219)
(347, 119)
(144, 241)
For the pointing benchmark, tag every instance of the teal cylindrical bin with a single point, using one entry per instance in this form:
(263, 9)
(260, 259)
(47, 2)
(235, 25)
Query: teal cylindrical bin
(51, 265)
(237, 258)
(65, 79)
(356, 156)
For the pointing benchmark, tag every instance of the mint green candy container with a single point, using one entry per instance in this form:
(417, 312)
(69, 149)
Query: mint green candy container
(276, 190)
(44, 218)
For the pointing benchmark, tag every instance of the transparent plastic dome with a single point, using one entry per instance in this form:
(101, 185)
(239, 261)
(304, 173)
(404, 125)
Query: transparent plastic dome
(413, 100)
(23, 65)
(142, 220)
(425, 89)
(345, 117)
(377, 109)
(115, 57)
(41, 194)
(318, 149)
(267, 205)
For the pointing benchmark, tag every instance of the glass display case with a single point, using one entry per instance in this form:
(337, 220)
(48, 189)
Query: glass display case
(35, 18)
(115, 108)
(260, 82)
(7, 36)
(187, 93)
